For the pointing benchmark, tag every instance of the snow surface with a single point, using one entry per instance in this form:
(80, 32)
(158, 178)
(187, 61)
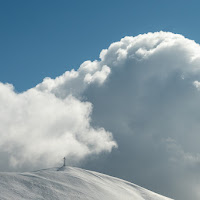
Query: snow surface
(70, 183)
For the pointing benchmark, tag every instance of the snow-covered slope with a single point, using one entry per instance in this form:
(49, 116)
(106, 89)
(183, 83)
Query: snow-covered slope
(70, 183)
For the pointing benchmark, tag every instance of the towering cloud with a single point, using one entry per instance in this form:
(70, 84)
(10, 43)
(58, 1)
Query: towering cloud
(144, 90)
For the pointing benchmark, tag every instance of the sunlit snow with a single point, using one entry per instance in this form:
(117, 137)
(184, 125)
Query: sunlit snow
(70, 183)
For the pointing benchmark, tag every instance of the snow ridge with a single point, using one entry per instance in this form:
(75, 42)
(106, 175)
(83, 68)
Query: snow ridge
(70, 183)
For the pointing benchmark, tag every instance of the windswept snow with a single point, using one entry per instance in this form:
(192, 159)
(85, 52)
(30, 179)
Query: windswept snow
(70, 183)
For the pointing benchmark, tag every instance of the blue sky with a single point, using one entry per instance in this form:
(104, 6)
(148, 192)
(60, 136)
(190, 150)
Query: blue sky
(46, 38)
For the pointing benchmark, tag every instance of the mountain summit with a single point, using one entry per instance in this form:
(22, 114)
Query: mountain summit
(70, 183)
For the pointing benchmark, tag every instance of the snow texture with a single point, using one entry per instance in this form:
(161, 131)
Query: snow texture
(70, 183)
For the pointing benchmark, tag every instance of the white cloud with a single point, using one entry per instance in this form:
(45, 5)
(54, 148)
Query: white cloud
(149, 96)
(99, 76)
(37, 128)
(196, 84)
(75, 82)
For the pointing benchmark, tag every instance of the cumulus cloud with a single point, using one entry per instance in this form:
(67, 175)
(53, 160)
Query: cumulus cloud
(196, 84)
(75, 82)
(144, 90)
(39, 129)
(150, 95)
